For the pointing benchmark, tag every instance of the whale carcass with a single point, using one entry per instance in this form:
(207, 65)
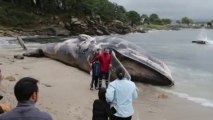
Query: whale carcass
(138, 66)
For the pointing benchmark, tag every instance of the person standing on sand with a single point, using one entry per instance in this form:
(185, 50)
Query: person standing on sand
(91, 59)
(95, 55)
(94, 68)
(120, 94)
(26, 93)
(95, 74)
(105, 60)
(100, 106)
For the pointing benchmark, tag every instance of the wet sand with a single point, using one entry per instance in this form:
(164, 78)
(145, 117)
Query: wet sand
(64, 92)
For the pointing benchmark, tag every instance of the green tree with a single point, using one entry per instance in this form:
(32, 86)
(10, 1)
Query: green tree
(154, 19)
(166, 21)
(120, 13)
(133, 17)
(209, 24)
(186, 20)
(144, 19)
(178, 22)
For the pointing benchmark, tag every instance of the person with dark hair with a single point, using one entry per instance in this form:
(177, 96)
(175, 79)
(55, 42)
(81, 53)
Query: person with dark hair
(95, 74)
(26, 92)
(92, 57)
(100, 106)
(106, 63)
(95, 55)
(120, 94)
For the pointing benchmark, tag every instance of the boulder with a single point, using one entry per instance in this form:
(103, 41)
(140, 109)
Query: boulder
(59, 31)
(19, 56)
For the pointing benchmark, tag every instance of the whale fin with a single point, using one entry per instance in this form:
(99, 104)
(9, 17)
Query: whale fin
(118, 64)
(21, 42)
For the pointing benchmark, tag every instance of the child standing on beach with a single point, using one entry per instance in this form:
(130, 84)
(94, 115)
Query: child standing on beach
(100, 106)
(95, 73)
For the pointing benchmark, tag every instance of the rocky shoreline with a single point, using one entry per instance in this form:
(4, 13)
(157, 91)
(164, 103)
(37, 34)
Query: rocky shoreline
(55, 26)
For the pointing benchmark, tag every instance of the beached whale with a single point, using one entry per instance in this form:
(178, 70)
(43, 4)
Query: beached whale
(137, 65)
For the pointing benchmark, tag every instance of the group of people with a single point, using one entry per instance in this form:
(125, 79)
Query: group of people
(115, 102)
(100, 66)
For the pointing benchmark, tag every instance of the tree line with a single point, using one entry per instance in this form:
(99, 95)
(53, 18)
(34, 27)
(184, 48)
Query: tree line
(107, 11)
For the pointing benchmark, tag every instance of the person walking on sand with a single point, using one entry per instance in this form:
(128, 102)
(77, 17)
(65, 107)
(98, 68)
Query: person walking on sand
(121, 93)
(95, 74)
(106, 63)
(26, 92)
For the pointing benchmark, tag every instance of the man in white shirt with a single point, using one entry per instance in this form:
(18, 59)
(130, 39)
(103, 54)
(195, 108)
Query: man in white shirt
(121, 93)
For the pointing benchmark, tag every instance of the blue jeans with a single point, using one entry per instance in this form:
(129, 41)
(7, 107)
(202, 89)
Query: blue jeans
(94, 81)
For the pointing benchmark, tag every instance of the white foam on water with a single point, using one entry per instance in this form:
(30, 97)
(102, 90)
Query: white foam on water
(209, 41)
(5, 40)
(202, 101)
(8, 42)
(11, 42)
(204, 37)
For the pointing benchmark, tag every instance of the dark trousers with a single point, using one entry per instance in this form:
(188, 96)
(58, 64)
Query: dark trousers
(94, 81)
(120, 118)
(106, 83)
(104, 75)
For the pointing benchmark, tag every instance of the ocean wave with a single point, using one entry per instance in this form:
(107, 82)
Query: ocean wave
(202, 101)
(6, 40)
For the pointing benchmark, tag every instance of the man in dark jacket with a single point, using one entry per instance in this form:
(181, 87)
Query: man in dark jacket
(26, 92)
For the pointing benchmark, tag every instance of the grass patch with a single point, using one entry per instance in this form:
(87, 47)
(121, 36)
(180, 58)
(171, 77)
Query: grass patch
(155, 27)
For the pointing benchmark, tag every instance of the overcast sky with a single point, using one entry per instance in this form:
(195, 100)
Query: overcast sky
(173, 9)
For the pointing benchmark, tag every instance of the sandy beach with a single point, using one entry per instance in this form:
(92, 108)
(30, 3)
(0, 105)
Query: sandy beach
(64, 92)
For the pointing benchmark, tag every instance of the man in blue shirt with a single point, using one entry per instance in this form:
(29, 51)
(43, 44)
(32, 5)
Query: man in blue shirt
(121, 93)
(26, 92)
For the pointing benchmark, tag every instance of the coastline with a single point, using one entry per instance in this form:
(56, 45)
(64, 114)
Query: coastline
(65, 94)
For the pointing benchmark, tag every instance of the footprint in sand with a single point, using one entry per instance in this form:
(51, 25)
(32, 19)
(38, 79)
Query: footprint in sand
(25, 68)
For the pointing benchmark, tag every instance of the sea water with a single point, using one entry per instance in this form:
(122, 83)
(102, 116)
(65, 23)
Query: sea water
(191, 64)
